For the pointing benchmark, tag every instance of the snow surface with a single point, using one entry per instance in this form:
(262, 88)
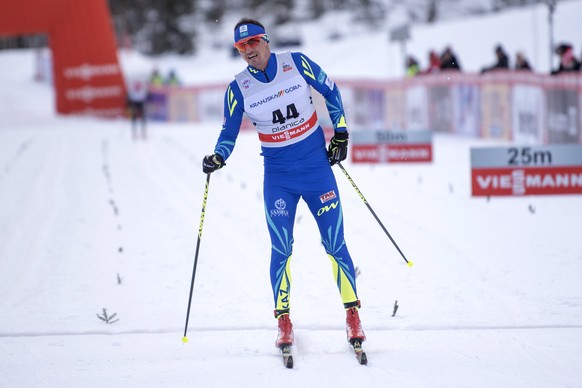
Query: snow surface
(90, 219)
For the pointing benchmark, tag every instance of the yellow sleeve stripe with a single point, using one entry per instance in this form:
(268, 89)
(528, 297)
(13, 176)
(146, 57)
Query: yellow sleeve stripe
(231, 101)
(307, 70)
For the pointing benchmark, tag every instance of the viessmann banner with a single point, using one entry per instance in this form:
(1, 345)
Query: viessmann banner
(370, 146)
(541, 170)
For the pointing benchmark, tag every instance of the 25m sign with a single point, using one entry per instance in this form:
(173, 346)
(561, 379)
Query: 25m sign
(540, 170)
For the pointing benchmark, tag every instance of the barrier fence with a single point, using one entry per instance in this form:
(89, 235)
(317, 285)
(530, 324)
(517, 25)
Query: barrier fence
(522, 107)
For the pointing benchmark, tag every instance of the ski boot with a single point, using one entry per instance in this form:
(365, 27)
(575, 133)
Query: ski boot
(285, 336)
(354, 329)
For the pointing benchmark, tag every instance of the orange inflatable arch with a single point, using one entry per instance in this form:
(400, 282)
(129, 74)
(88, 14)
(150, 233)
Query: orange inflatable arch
(86, 72)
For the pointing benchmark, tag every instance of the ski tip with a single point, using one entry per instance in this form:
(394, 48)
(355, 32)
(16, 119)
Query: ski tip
(184, 339)
(363, 359)
(410, 263)
(287, 356)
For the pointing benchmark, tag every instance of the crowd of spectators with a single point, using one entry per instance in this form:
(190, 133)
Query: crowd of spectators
(172, 79)
(447, 60)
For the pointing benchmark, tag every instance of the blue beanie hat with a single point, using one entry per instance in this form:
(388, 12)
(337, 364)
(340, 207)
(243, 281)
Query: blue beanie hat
(247, 30)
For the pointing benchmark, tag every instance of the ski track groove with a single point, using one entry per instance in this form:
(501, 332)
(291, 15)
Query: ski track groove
(298, 329)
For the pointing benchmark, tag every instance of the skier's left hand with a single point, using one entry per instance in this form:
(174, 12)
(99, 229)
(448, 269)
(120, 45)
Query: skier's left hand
(338, 148)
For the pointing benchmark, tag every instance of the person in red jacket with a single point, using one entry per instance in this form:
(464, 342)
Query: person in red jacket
(434, 63)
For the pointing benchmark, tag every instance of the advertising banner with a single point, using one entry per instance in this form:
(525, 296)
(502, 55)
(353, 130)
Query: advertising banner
(528, 114)
(395, 109)
(539, 170)
(528, 109)
(366, 107)
(416, 106)
(369, 146)
(182, 104)
(157, 106)
(496, 110)
(209, 104)
(440, 108)
(466, 106)
(562, 109)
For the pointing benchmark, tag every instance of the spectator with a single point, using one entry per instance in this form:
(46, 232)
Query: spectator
(521, 62)
(137, 95)
(502, 60)
(434, 63)
(412, 67)
(568, 61)
(156, 79)
(449, 60)
(172, 79)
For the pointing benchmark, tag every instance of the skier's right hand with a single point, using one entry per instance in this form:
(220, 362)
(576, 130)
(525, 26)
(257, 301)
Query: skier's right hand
(211, 163)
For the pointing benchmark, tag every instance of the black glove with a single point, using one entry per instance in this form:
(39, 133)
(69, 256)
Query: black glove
(338, 148)
(211, 163)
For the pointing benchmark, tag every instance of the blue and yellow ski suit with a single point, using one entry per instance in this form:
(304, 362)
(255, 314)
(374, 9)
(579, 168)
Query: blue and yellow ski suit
(278, 102)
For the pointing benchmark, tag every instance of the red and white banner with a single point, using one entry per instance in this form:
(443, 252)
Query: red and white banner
(502, 171)
(86, 72)
(391, 146)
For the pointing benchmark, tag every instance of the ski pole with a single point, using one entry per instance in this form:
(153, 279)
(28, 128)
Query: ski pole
(185, 338)
(373, 213)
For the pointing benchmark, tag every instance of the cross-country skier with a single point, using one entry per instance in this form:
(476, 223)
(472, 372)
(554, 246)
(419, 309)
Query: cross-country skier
(274, 92)
(137, 95)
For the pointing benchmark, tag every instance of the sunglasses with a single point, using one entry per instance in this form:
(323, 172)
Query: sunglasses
(252, 42)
